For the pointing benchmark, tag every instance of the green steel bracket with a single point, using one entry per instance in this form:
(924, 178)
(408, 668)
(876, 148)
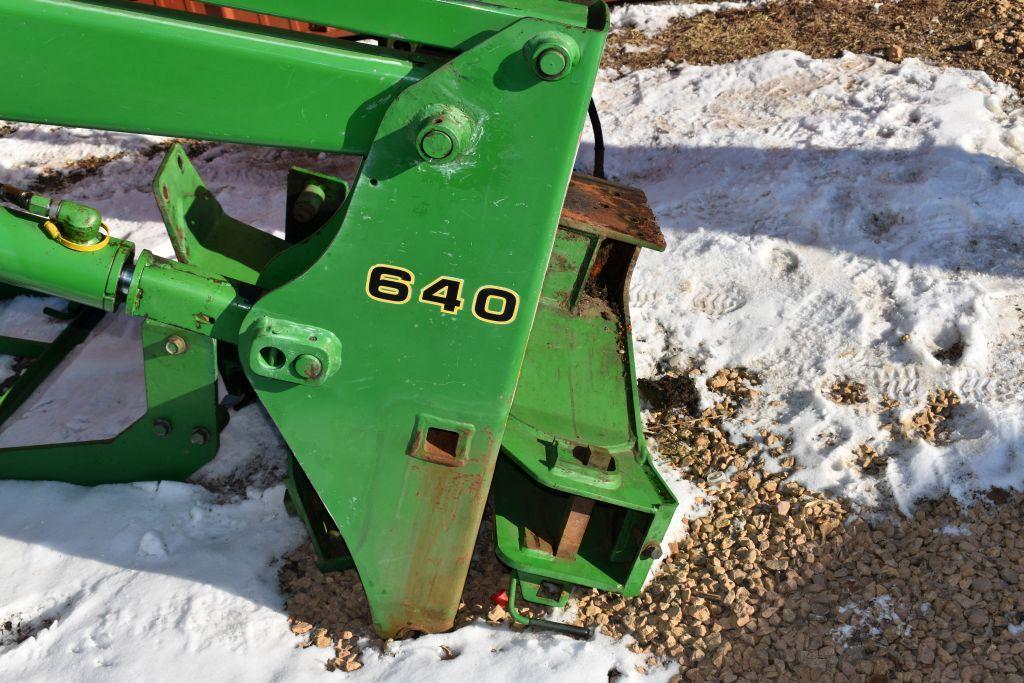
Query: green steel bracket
(430, 278)
(178, 434)
(290, 352)
(202, 234)
(576, 497)
(542, 591)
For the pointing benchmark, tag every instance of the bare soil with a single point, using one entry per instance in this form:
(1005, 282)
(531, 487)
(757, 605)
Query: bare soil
(972, 34)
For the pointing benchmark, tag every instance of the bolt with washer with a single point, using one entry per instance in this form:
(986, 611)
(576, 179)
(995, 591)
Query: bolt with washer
(175, 345)
(162, 427)
(200, 436)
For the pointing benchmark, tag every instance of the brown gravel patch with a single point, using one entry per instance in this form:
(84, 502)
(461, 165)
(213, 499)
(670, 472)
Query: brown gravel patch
(772, 581)
(846, 391)
(331, 611)
(970, 34)
(932, 423)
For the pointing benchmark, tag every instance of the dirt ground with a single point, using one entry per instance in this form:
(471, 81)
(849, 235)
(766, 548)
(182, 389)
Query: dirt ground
(970, 34)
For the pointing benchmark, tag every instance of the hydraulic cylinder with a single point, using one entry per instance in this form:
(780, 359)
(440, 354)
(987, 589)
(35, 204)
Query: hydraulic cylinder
(34, 260)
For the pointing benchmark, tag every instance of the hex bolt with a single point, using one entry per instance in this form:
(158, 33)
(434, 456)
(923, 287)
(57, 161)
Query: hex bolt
(552, 54)
(651, 551)
(444, 134)
(308, 366)
(200, 436)
(307, 204)
(175, 345)
(162, 427)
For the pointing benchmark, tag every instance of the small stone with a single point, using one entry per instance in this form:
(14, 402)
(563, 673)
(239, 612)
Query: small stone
(701, 614)
(894, 53)
(301, 627)
(322, 639)
(977, 618)
(783, 507)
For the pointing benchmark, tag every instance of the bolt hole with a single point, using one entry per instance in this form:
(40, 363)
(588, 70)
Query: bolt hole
(373, 182)
(273, 357)
(181, 165)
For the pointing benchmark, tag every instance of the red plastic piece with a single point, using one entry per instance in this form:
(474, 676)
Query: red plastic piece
(500, 598)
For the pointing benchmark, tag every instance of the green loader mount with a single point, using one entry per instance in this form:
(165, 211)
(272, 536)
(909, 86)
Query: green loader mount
(448, 328)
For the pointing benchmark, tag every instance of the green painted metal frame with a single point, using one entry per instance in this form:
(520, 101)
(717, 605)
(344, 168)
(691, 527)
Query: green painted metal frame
(116, 66)
(485, 220)
(181, 391)
(577, 392)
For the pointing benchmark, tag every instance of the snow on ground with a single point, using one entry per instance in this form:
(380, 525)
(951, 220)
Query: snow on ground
(32, 150)
(829, 218)
(159, 582)
(654, 18)
(824, 218)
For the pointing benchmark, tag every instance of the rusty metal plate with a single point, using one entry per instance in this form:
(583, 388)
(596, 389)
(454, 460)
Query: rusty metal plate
(612, 210)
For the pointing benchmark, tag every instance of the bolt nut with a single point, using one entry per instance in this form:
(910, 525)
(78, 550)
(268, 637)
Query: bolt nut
(307, 205)
(162, 427)
(308, 366)
(200, 436)
(552, 54)
(651, 551)
(444, 134)
(175, 345)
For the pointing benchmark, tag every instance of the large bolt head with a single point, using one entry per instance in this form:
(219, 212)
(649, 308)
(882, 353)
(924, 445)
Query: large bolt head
(552, 54)
(309, 366)
(552, 62)
(444, 135)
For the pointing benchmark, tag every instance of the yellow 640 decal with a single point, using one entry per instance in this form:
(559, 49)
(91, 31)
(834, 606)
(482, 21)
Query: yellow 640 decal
(394, 285)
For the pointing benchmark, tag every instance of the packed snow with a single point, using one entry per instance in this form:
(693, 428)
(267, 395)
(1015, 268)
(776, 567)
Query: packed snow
(824, 218)
(830, 218)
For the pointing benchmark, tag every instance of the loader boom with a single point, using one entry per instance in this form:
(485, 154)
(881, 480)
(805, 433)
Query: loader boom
(386, 335)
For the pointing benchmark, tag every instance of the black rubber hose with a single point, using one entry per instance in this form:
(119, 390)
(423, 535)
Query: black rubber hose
(595, 123)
